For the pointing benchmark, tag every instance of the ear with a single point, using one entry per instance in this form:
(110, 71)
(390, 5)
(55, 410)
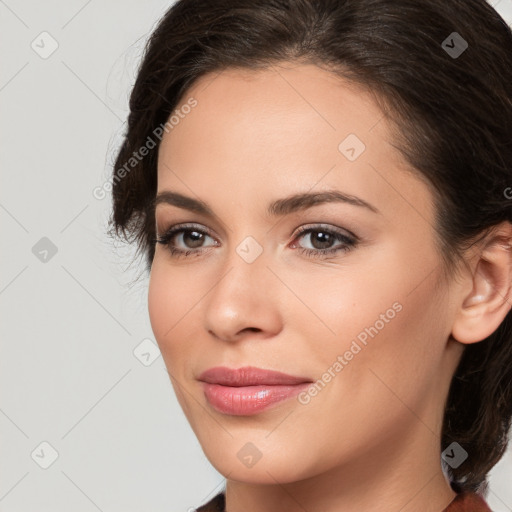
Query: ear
(485, 307)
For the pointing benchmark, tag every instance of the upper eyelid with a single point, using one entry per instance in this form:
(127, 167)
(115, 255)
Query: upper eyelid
(322, 225)
(222, 228)
(301, 230)
(183, 225)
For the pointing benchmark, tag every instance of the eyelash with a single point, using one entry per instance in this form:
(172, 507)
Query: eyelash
(349, 243)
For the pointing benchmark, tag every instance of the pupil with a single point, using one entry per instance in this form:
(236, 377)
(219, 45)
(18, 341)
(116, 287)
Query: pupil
(321, 235)
(198, 238)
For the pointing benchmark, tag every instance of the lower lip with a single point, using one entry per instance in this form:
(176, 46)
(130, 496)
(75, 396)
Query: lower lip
(248, 400)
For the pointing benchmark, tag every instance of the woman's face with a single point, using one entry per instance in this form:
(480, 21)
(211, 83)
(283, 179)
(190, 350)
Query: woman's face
(355, 305)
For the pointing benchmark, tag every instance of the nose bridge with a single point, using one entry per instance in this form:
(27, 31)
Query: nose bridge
(242, 297)
(244, 271)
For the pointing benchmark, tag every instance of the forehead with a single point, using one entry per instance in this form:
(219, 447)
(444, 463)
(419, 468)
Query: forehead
(254, 113)
(311, 93)
(285, 127)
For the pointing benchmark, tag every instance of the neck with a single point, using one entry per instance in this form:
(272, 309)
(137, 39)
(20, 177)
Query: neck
(399, 474)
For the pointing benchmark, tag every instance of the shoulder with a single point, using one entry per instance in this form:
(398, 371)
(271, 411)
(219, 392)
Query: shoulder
(216, 504)
(463, 502)
(468, 502)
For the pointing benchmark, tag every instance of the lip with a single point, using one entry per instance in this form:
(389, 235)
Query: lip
(249, 376)
(248, 390)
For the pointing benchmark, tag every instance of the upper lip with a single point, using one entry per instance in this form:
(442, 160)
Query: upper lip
(249, 376)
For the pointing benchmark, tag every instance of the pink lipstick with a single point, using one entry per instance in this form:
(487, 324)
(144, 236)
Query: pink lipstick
(248, 390)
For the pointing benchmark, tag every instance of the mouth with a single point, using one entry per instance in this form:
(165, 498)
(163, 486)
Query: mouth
(248, 390)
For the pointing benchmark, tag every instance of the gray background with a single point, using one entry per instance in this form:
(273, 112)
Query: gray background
(79, 368)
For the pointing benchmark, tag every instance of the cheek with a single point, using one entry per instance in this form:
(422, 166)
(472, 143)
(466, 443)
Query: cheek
(379, 315)
(158, 303)
(340, 304)
(170, 303)
(368, 394)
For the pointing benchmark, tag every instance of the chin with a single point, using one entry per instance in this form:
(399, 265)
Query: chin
(261, 473)
(257, 462)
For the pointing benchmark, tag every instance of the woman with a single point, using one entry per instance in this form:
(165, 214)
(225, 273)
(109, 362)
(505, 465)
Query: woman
(321, 190)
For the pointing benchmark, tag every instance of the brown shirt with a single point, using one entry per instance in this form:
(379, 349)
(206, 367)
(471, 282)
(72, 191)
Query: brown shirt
(463, 502)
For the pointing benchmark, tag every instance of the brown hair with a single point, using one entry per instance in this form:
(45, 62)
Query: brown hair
(452, 109)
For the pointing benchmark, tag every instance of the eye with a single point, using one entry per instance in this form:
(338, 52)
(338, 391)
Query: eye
(183, 240)
(186, 240)
(321, 240)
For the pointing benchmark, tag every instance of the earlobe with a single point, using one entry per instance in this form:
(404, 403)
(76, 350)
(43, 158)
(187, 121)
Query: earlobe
(485, 307)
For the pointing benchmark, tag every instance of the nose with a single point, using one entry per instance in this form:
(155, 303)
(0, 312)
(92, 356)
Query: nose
(245, 301)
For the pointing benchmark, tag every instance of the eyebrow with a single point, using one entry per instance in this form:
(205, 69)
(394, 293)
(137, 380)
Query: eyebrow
(279, 207)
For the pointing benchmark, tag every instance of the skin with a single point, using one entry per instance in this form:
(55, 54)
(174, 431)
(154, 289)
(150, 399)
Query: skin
(370, 439)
